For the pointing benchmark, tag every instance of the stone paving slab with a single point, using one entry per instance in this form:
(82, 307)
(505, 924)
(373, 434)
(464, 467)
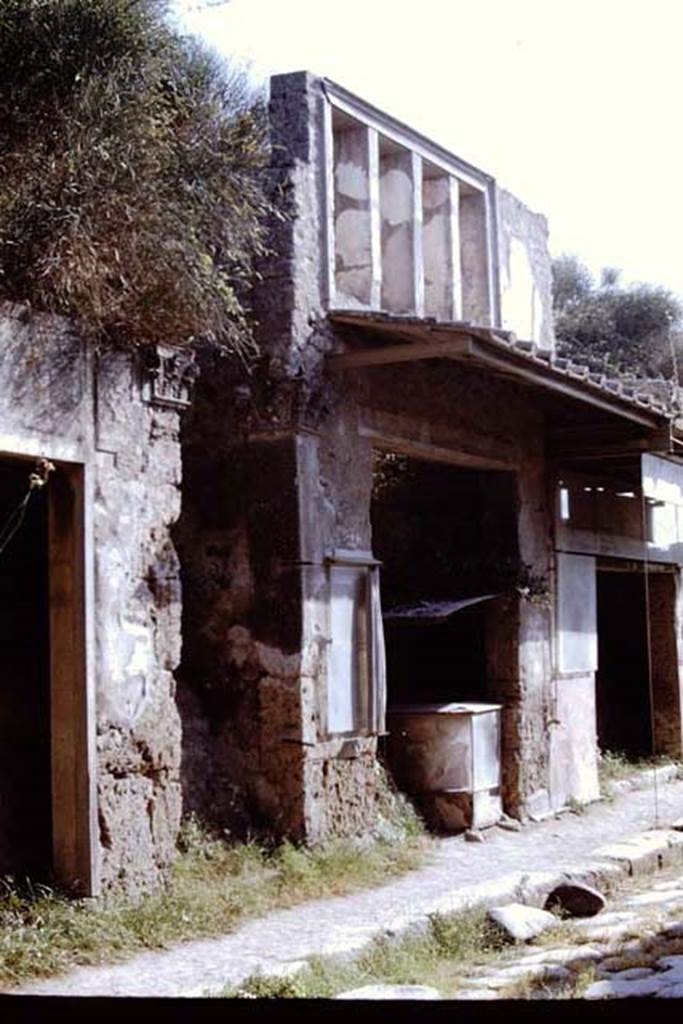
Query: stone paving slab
(636, 968)
(458, 876)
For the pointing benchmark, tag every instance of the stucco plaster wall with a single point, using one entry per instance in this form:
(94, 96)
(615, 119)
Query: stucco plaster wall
(138, 601)
(574, 741)
(525, 270)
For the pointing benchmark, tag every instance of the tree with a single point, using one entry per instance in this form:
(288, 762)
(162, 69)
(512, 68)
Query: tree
(131, 174)
(634, 328)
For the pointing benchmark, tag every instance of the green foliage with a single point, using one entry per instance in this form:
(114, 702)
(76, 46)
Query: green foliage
(131, 174)
(572, 281)
(214, 885)
(619, 328)
(438, 957)
(615, 765)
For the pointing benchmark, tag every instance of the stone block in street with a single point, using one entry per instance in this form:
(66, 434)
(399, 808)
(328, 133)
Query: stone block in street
(625, 989)
(521, 923)
(576, 900)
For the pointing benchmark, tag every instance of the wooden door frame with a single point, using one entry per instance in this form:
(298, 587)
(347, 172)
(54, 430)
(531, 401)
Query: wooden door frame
(72, 684)
(75, 859)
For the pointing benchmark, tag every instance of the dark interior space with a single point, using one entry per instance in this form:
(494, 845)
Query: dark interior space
(25, 789)
(622, 680)
(437, 663)
(443, 534)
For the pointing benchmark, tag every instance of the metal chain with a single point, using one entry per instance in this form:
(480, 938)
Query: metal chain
(36, 480)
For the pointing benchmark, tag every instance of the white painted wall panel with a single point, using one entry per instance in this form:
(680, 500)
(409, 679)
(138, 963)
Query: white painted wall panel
(576, 613)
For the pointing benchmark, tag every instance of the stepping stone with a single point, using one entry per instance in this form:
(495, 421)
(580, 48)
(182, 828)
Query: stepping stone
(677, 825)
(632, 974)
(391, 992)
(671, 991)
(609, 927)
(625, 989)
(576, 899)
(672, 886)
(647, 899)
(521, 923)
(672, 963)
(563, 955)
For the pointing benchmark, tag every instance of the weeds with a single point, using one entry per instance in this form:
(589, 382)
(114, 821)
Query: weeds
(615, 765)
(439, 957)
(213, 886)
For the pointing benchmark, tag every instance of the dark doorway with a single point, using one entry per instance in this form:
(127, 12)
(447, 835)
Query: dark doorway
(444, 535)
(25, 756)
(622, 679)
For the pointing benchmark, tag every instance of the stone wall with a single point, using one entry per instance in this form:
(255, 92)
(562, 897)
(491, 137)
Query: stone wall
(137, 602)
(90, 418)
(278, 475)
(525, 271)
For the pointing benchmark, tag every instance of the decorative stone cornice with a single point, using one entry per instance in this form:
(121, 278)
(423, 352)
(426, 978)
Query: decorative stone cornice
(169, 376)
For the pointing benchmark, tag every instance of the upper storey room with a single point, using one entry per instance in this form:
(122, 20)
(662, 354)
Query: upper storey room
(414, 230)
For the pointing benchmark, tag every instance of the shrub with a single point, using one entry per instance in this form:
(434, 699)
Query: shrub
(131, 174)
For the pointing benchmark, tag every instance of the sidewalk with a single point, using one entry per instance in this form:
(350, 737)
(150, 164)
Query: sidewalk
(507, 866)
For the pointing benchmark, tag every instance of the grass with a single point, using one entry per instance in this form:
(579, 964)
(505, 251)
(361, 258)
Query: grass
(441, 957)
(213, 887)
(454, 946)
(614, 765)
(582, 975)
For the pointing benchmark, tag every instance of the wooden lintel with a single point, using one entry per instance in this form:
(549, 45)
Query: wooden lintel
(404, 353)
(613, 450)
(421, 449)
(587, 542)
(629, 565)
(585, 443)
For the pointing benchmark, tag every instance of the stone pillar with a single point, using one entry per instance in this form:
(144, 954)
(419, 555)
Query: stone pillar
(665, 607)
(518, 660)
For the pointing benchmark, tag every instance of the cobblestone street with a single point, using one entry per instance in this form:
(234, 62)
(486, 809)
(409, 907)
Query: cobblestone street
(634, 948)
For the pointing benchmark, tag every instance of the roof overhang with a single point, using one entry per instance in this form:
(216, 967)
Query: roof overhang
(392, 339)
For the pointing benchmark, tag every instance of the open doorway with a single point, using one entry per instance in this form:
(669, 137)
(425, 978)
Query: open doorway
(446, 538)
(25, 754)
(447, 541)
(624, 710)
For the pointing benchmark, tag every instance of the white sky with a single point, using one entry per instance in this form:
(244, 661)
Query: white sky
(574, 105)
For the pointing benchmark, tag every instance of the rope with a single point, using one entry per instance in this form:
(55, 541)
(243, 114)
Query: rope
(648, 640)
(36, 480)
